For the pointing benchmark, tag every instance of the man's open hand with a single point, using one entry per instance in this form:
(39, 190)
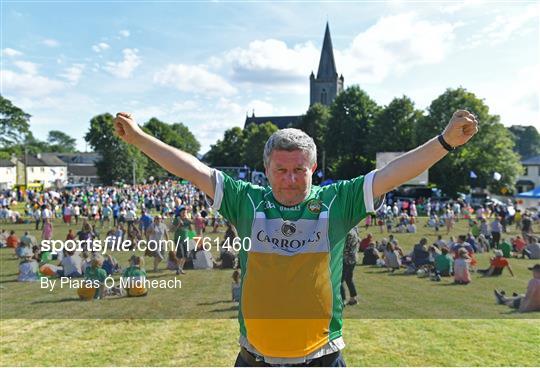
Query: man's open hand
(126, 128)
(461, 128)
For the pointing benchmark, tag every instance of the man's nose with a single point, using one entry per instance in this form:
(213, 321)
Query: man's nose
(291, 177)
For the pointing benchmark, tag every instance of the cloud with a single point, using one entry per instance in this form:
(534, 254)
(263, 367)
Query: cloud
(27, 67)
(124, 69)
(51, 43)
(260, 108)
(272, 62)
(395, 44)
(8, 52)
(455, 7)
(102, 46)
(518, 101)
(193, 78)
(29, 84)
(504, 27)
(73, 73)
(124, 33)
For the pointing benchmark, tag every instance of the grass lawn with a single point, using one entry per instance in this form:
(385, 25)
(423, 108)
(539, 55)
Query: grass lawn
(400, 320)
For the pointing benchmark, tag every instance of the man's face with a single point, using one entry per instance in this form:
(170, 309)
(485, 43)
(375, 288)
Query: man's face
(289, 174)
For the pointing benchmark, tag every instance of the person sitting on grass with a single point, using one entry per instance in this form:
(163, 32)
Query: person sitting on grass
(420, 255)
(28, 268)
(518, 245)
(364, 243)
(136, 272)
(462, 243)
(392, 257)
(530, 302)
(3, 238)
(371, 255)
(506, 248)
(444, 263)
(532, 250)
(483, 244)
(12, 240)
(111, 265)
(497, 265)
(97, 275)
(462, 274)
(71, 265)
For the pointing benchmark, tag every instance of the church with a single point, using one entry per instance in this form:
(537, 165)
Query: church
(323, 88)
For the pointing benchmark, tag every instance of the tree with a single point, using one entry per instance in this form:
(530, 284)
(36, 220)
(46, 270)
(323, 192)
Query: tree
(489, 151)
(14, 123)
(60, 142)
(229, 151)
(176, 135)
(394, 128)
(349, 151)
(187, 141)
(118, 157)
(527, 140)
(315, 124)
(256, 136)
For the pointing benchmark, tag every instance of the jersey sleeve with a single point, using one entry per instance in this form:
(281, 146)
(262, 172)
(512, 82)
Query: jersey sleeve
(229, 196)
(354, 199)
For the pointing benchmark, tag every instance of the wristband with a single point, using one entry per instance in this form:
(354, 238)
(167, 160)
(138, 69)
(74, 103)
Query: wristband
(445, 143)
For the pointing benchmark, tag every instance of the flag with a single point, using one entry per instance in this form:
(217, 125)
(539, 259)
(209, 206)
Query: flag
(472, 175)
(497, 176)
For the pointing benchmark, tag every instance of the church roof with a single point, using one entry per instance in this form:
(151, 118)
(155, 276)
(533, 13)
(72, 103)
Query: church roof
(280, 121)
(327, 65)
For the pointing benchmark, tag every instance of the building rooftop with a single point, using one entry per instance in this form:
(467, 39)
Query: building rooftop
(535, 160)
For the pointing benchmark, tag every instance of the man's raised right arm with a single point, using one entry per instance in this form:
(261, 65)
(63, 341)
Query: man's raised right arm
(172, 159)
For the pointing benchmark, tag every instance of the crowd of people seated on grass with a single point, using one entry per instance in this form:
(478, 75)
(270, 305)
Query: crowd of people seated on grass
(86, 265)
(440, 258)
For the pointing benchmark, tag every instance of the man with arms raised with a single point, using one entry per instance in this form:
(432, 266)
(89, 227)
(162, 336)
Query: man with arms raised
(291, 308)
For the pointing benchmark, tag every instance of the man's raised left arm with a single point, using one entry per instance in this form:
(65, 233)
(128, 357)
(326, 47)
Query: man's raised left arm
(461, 128)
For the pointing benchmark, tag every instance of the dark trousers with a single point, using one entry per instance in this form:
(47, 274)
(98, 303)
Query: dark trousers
(246, 359)
(347, 277)
(496, 236)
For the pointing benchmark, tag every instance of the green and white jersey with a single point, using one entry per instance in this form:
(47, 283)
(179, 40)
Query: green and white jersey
(290, 276)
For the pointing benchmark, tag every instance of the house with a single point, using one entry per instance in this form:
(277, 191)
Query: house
(81, 166)
(42, 169)
(530, 178)
(8, 174)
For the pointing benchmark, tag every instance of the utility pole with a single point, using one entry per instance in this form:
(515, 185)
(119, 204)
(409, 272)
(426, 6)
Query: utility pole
(25, 168)
(324, 164)
(134, 178)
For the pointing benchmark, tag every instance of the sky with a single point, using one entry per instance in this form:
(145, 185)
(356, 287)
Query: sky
(208, 64)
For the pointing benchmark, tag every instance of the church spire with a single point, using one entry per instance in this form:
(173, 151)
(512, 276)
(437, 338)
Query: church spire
(327, 65)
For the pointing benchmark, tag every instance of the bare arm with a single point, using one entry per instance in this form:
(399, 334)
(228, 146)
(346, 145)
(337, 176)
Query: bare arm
(172, 159)
(510, 270)
(461, 128)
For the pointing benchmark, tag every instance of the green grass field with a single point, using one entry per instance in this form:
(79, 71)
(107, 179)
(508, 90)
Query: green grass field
(400, 320)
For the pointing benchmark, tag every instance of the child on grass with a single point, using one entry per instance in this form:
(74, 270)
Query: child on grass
(462, 274)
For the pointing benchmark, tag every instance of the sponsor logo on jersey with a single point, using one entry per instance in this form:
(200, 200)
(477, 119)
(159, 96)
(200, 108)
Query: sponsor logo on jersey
(288, 245)
(293, 208)
(288, 228)
(314, 206)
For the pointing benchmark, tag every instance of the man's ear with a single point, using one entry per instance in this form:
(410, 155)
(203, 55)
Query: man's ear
(314, 167)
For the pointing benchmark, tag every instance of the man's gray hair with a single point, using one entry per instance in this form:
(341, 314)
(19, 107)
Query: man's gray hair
(290, 139)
